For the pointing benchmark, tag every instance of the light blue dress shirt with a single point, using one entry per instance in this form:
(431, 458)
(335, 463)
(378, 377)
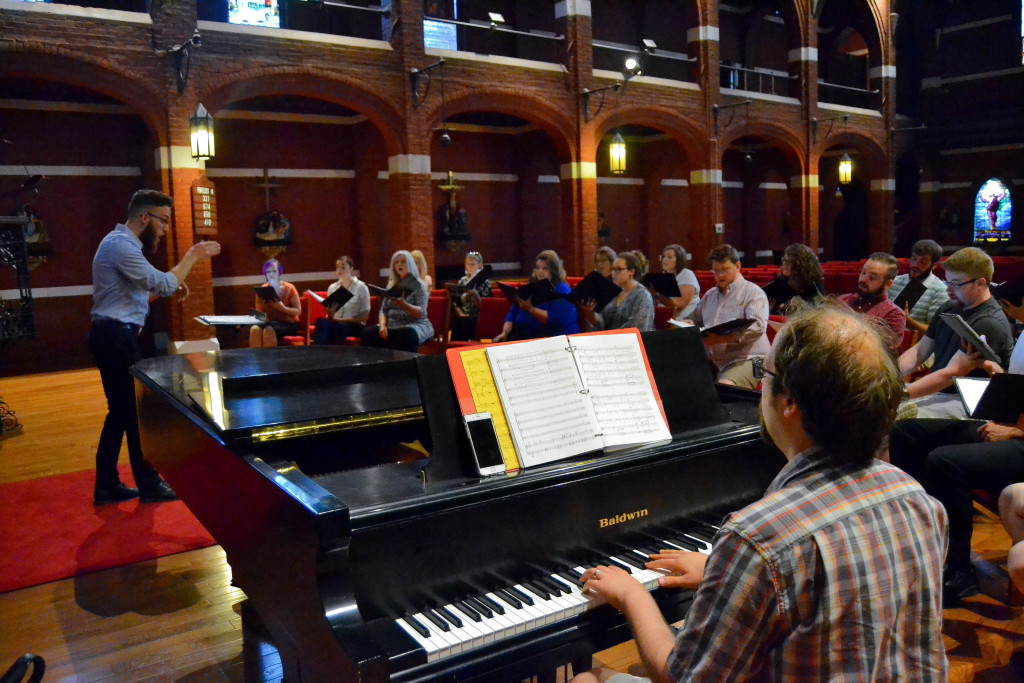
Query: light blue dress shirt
(122, 279)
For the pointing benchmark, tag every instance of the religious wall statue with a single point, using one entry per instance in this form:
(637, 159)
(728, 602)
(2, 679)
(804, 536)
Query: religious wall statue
(453, 220)
(604, 231)
(453, 232)
(273, 233)
(37, 240)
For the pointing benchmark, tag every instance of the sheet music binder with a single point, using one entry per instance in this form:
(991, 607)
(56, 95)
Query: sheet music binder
(566, 396)
(968, 334)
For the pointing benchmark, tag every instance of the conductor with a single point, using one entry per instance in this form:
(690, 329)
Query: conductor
(123, 283)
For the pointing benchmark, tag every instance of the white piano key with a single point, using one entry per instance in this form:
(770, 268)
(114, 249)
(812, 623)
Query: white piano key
(513, 615)
(431, 646)
(478, 639)
(450, 645)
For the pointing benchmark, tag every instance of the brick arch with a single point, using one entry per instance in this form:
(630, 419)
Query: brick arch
(682, 130)
(315, 84)
(867, 149)
(57, 64)
(787, 142)
(550, 119)
(872, 21)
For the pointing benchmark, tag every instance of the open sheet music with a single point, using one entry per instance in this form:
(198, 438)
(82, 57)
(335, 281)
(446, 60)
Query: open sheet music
(564, 396)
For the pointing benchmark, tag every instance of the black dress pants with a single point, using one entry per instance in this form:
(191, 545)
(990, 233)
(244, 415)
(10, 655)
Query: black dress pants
(329, 331)
(115, 347)
(400, 339)
(950, 460)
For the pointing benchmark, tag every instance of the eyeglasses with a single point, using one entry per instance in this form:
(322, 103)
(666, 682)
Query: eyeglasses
(165, 221)
(617, 269)
(760, 370)
(958, 285)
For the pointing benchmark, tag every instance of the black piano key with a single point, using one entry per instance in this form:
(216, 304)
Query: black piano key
(520, 595)
(467, 610)
(612, 563)
(450, 616)
(541, 593)
(553, 586)
(509, 598)
(686, 543)
(417, 626)
(630, 558)
(436, 620)
(577, 572)
(570, 576)
(491, 603)
(480, 607)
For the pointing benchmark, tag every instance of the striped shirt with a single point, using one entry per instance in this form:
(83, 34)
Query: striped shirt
(835, 575)
(741, 299)
(934, 296)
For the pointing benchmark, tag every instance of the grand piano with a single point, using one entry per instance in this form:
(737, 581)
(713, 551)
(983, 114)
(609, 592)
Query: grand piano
(417, 569)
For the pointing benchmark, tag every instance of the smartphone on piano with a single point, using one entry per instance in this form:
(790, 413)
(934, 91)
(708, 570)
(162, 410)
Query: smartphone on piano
(483, 441)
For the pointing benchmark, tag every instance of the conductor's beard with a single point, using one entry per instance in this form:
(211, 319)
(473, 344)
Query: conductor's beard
(149, 239)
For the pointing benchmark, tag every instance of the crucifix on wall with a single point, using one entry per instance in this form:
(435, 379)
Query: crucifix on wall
(273, 230)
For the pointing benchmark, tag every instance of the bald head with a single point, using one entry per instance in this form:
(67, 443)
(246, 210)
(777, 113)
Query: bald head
(836, 368)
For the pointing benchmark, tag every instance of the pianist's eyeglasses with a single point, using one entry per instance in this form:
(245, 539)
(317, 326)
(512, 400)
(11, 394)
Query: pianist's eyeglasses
(760, 370)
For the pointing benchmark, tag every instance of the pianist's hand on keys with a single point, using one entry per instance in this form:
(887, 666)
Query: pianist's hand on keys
(446, 630)
(614, 585)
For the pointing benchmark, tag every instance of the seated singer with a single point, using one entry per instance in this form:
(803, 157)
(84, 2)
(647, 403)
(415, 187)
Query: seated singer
(402, 323)
(526, 321)
(836, 573)
(466, 304)
(282, 313)
(347, 320)
(634, 307)
(732, 298)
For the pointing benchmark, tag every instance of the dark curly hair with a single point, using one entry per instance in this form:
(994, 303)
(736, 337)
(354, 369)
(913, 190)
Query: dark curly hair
(805, 271)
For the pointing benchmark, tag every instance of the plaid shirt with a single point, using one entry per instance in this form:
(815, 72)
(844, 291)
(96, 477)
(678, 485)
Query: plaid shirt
(835, 575)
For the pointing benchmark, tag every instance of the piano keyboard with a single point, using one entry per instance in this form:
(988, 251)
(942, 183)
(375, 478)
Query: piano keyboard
(475, 621)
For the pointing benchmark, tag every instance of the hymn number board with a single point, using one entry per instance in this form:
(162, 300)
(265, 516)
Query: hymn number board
(204, 208)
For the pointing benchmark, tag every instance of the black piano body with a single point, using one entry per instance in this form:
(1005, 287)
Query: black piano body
(330, 559)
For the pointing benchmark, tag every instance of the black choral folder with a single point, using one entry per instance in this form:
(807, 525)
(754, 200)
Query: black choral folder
(338, 297)
(664, 284)
(597, 287)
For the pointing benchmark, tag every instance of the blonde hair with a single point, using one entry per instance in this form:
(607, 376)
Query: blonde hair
(972, 262)
(421, 262)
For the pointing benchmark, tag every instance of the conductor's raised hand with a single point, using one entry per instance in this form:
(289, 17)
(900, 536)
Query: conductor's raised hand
(204, 250)
(611, 584)
(686, 568)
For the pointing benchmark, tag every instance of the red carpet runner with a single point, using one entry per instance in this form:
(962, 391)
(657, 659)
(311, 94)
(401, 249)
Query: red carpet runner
(50, 530)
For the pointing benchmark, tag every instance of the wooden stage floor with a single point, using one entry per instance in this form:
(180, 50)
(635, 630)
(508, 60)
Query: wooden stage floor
(177, 618)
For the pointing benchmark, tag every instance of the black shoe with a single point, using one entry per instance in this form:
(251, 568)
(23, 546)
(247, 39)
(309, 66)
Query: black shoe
(958, 584)
(115, 494)
(161, 493)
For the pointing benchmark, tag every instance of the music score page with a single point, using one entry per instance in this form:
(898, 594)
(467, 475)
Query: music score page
(620, 388)
(548, 413)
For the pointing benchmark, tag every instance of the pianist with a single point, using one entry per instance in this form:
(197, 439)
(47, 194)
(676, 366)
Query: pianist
(836, 573)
